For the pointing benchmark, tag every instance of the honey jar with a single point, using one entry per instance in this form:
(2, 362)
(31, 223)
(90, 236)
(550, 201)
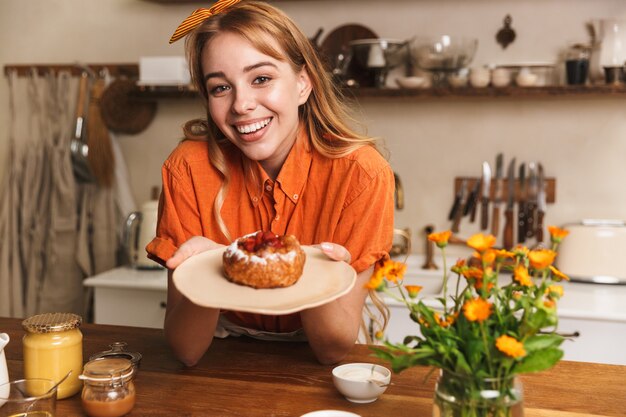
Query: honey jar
(53, 346)
(108, 390)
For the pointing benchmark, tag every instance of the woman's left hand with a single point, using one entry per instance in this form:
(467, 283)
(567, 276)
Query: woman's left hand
(335, 251)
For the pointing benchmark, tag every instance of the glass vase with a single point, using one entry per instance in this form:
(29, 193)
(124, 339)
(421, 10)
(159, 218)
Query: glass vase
(467, 396)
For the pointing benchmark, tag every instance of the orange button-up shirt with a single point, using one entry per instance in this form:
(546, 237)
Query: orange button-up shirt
(347, 200)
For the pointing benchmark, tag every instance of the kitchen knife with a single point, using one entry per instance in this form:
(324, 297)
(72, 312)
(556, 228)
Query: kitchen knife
(531, 200)
(484, 196)
(456, 204)
(497, 197)
(472, 202)
(507, 238)
(461, 207)
(521, 205)
(541, 204)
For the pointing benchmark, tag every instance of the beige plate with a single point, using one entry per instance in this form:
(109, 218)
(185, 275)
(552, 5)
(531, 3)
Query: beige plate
(201, 279)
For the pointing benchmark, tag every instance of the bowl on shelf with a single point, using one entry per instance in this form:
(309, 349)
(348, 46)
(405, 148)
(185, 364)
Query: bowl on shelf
(414, 81)
(369, 60)
(442, 55)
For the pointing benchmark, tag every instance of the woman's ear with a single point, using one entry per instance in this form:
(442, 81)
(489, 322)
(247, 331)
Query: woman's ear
(304, 86)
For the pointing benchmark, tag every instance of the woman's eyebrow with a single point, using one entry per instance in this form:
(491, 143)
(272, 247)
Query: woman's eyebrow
(220, 74)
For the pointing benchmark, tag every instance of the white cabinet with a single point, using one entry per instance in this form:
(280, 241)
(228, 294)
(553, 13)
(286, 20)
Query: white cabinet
(129, 297)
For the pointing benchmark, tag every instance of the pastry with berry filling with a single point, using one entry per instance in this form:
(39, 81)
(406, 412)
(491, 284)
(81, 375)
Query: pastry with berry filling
(264, 260)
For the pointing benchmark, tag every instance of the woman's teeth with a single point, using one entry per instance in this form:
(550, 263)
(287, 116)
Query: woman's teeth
(251, 128)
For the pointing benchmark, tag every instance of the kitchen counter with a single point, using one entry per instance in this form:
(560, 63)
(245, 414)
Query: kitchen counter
(581, 300)
(245, 377)
(595, 312)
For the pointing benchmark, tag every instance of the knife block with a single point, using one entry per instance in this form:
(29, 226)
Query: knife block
(550, 188)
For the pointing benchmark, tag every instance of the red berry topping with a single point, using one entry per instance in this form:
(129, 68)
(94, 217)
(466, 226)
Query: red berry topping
(261, 240)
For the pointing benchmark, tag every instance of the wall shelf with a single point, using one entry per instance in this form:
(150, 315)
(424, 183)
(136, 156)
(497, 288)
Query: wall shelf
(597, 91)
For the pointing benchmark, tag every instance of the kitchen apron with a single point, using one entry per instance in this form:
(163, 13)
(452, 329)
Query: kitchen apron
(61, 288)
(36, 192)
(11, 289)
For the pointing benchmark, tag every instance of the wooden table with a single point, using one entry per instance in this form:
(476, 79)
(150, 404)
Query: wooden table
(245, 377)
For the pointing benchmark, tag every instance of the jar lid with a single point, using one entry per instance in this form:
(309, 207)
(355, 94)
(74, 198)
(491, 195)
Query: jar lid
(52, 322)
(107, 370)
(118, 350)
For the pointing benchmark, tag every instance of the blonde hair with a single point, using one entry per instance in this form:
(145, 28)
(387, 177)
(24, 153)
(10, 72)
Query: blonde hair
(324, 116)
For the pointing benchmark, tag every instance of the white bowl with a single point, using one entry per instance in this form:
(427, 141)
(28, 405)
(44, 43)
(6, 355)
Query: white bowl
(413, 82)
(330, 413)
(361, 382)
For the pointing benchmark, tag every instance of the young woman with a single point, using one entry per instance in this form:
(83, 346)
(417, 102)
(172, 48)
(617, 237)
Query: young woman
(275, 153)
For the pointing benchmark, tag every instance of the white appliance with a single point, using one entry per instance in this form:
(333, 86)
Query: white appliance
(594, 251)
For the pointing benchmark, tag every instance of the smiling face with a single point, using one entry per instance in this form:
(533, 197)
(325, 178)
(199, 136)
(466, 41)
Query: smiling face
(253, 98)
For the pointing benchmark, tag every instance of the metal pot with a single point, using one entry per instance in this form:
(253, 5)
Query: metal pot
(593, 251)
(369, 60)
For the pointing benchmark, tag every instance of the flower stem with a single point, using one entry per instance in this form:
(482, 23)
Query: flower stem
(487, 350)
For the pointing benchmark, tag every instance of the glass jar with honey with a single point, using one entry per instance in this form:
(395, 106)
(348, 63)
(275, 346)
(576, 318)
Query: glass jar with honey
(108, 390)
(53, 346)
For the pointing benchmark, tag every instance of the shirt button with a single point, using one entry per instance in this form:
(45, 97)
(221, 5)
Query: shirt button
(268, 187)
(255, 199)
(295, 196)
(277, 218)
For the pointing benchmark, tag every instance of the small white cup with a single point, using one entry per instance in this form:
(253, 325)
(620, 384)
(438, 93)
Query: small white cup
(500, 77)
(480, 77)
(525, 78)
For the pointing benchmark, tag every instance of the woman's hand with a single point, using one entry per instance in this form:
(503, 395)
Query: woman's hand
(335, 252)
(193, 246)
(189, 328)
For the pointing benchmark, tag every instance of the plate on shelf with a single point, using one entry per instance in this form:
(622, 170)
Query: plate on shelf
(201, 279)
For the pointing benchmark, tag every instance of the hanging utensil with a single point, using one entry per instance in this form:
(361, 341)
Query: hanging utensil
(78, 147)
(100, 156)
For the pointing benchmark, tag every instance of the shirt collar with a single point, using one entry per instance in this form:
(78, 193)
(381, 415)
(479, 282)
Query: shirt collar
(292, 176)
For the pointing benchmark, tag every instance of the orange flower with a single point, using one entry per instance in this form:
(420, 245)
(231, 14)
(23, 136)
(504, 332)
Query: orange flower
(541, 258)
(477, 309)
(459, 266)
(510, 346)
(520, 274)
(489, 256)
(441, 238)
(473, 272)
(481, 242)
(554, 291)
(396, 271)
(445, 322)
(558, 275)
(413, 290)
(520, 251)
(478, 284)
(503, 254)
(549, 304)
(391, 270)
(557, 234)
(379, 335)
(376, 281)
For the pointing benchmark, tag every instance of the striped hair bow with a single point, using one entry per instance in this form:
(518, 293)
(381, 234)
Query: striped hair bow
(198, 16)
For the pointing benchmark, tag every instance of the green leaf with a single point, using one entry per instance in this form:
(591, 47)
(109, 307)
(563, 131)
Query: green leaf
(461, 363)
(539, 360)
(539, 342)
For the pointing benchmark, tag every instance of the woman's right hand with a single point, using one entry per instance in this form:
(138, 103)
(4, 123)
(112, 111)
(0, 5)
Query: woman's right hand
(193, 246)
